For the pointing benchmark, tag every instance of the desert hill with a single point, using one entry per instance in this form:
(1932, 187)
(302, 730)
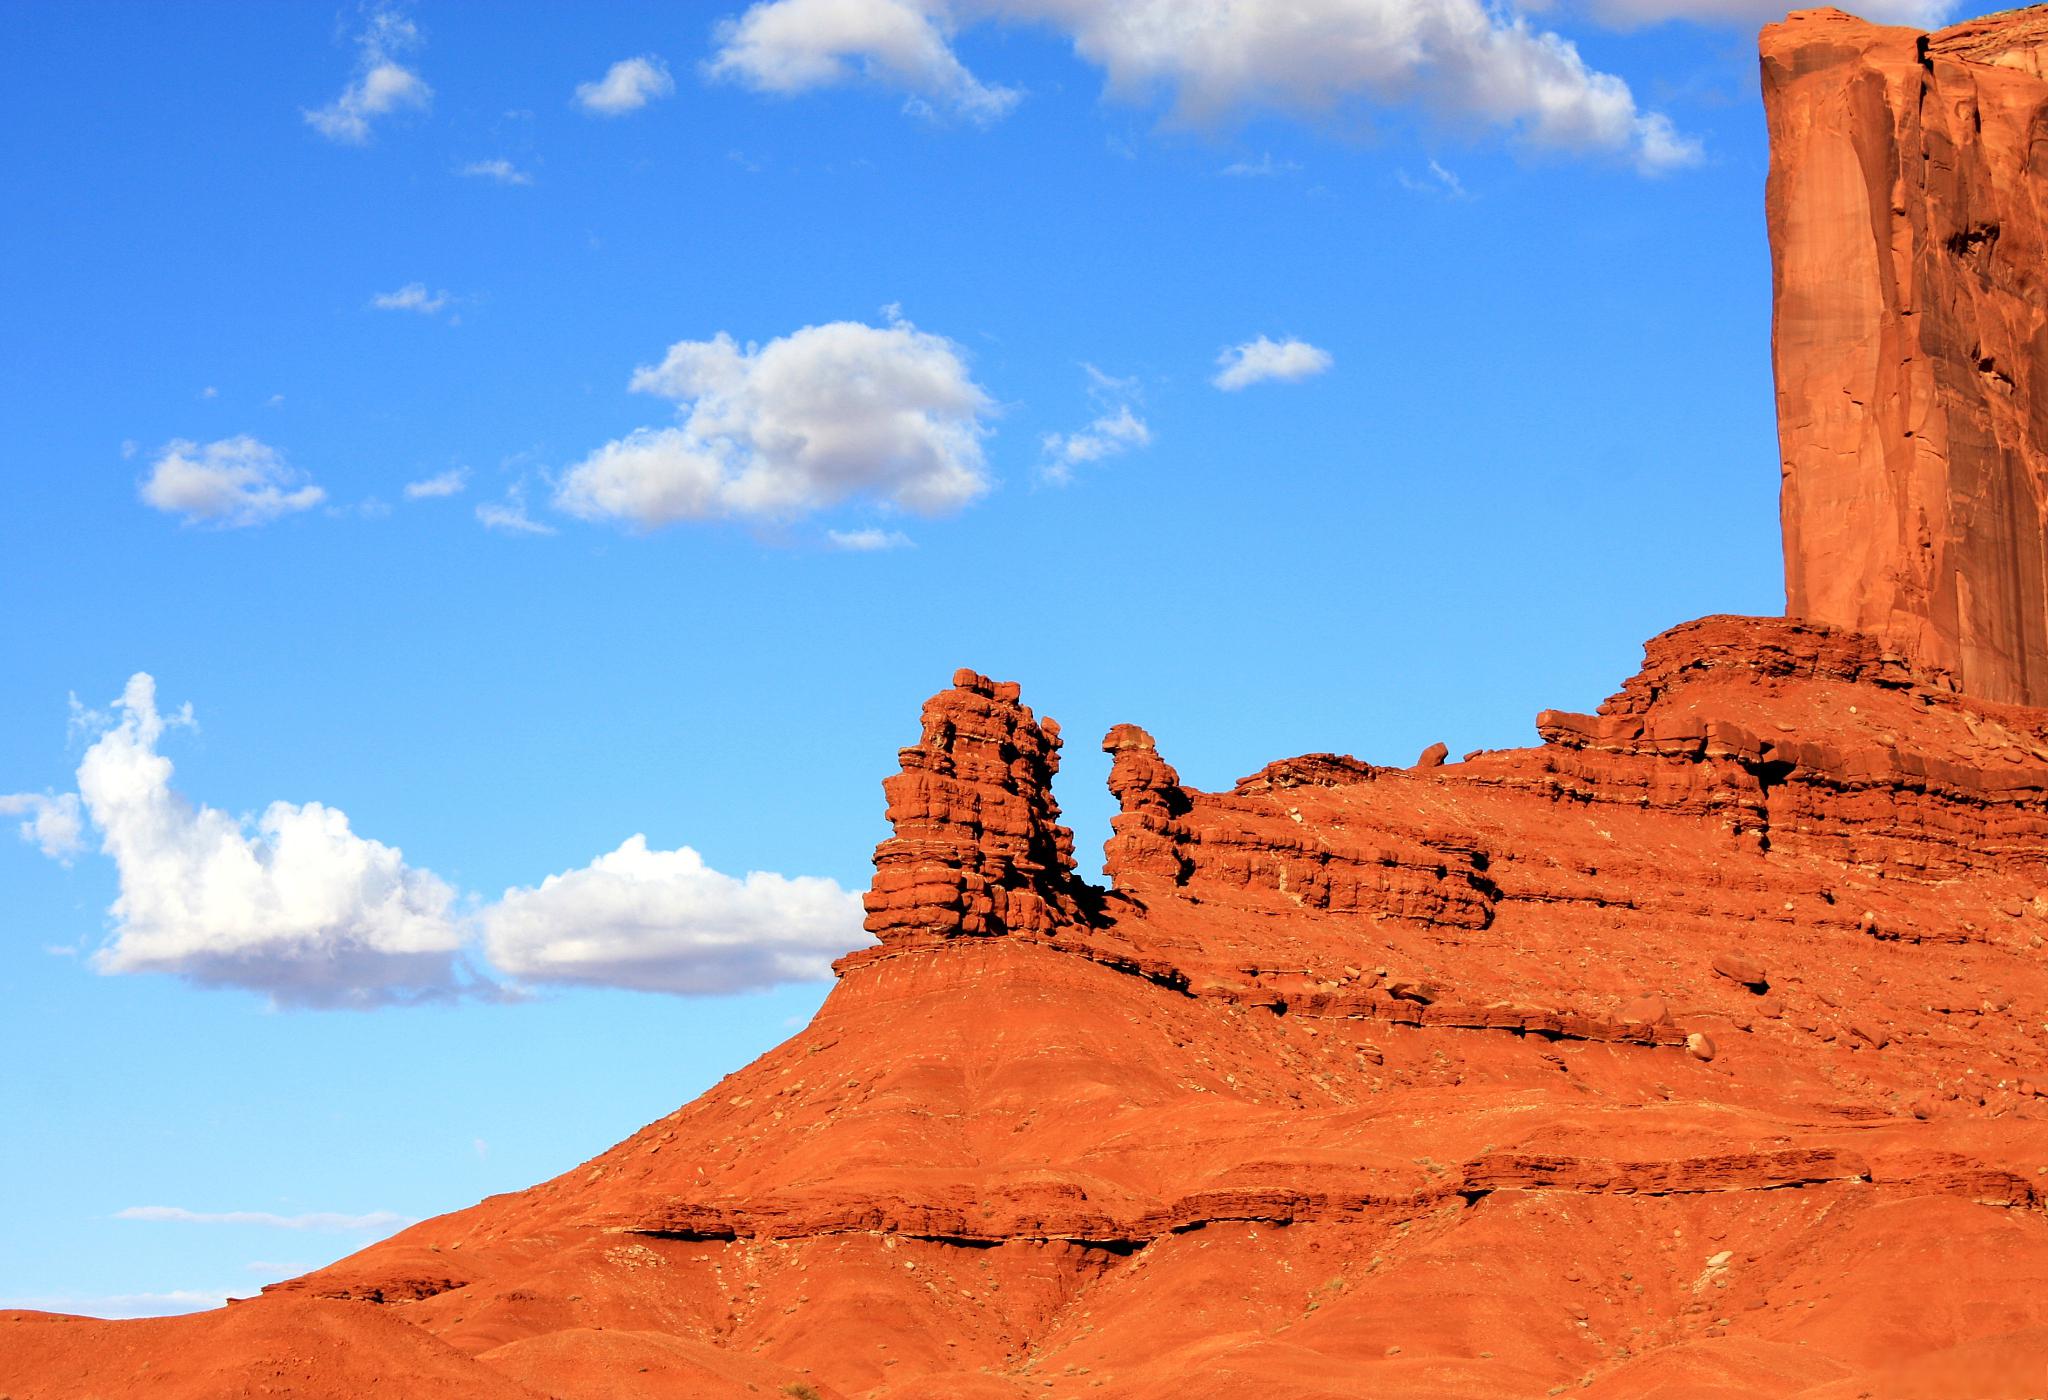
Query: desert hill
(1696, 1050)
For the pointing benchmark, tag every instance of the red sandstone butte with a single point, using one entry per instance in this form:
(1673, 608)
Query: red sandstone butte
(1908, 210)
(1351, 1081)
(1695, 1050)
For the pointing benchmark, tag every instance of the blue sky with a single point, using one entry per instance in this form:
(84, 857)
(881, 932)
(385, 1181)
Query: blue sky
(515, 431)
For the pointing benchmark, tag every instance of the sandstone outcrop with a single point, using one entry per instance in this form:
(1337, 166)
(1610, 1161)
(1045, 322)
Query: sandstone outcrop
(1475, 1061)
(977, 847)
(1695, 1049)
(1908, 210)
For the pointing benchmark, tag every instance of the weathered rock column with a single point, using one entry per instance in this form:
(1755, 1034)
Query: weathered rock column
(978, 848)
(1908, 212)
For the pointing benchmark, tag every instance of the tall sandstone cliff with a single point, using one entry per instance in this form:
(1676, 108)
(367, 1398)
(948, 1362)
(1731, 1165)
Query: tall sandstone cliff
(1908, 208)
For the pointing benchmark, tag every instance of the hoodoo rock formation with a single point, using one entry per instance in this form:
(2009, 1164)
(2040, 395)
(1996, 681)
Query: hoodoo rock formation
(978, 848)
(1908, 209)
(1698, 1049)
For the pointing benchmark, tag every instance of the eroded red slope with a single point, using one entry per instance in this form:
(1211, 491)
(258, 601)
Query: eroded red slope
(1693, 1051)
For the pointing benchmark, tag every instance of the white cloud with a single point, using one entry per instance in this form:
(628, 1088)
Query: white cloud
(1257, 361)
(294, 904)
(209, 392)
(1748, 14)
(55, 822)
(382, 84)
(413, 296)
(789, 46)
(820, 416)
(302, 909)
(233, 482)
(509, 516)
(501, 170)
(868, 541)
(1461, 58)
(379, 1221)
(1109, 435)
(664, 921)
(1115, 430)
(627, 86)
(1264, 168)
(1440, 181)
(449, 483)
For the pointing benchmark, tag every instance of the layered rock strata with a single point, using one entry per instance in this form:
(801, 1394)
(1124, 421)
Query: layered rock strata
(1908, 215)
(1673, 1052)
(977, 848)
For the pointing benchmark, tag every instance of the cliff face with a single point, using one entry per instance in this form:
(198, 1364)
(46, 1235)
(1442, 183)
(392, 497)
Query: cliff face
(1908, 217)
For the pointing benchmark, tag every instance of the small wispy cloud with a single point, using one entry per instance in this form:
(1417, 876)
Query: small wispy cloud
(500, 169)
(627, 86)
(382, 84)
(1264, 168)
(319, 1220)
(413, 296)
(449, 483)
(1258, 361)
(509, 517)
(1116, 429)
(1439, 181)
(868, 541)
(1107, 436)
(55, 823)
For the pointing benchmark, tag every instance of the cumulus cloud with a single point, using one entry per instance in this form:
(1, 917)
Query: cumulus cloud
(790, 46)
(1461, 58)
(868, 541)
(1257, 361)
(449, 483)
(1747, 14)
(379, 1221)
(627, 86)
(233, 482)
(501, 170)
(55, 822)
(413, 296)
(664, 921)
(823, 415)
(382, 85)
(294, 904)
(300, 908)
